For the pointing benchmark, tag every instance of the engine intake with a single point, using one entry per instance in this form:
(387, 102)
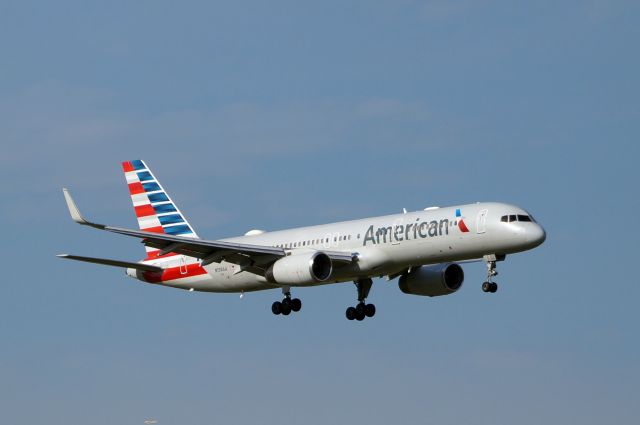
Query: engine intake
(300, 269)
(432, 281)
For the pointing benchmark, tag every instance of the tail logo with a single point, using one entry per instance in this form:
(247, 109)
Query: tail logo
(155, 211)
(463, 227)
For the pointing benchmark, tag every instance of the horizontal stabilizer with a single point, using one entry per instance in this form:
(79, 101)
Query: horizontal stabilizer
(116, 263)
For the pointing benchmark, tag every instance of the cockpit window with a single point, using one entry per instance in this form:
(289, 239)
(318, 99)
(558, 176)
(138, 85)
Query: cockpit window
(517, 217)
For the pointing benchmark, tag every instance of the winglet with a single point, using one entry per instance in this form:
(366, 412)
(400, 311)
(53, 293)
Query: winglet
(75, 212)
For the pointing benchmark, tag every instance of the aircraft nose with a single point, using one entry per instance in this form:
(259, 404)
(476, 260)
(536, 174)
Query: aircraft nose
(536, 235)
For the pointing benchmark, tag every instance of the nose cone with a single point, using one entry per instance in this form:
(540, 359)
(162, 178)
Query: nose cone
(535, 235)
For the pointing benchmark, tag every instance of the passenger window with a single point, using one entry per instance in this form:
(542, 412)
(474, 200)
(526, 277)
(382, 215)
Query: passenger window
(503, 218)
(512, 218)
(523, 218)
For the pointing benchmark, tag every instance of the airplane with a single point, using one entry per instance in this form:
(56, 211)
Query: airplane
(424, 249)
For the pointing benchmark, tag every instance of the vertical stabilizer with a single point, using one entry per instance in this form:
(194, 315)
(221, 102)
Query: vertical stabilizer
(154, 209)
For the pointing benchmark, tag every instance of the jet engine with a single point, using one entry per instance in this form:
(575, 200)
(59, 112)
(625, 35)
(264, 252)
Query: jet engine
(432, 281)
(301, 269)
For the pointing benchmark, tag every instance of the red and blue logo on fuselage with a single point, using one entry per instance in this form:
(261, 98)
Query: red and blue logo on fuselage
(463, 227)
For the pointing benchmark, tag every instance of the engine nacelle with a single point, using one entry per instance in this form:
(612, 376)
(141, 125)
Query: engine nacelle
(432, 281)
(301, 269)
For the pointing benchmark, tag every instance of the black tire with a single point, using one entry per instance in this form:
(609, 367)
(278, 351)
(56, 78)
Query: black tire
(287, 302)
(486, 287)
(370, 310)
(351, 313)
(494, 287)
(360, 316)
(276, 308)
(296, 304)
(360, 308)
(286, 309)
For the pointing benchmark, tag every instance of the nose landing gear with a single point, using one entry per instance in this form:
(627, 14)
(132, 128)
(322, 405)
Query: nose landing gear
(362, 310)
(489, 285)
(287, 305)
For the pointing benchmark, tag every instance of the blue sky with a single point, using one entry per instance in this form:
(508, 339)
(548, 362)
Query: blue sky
(280, 114)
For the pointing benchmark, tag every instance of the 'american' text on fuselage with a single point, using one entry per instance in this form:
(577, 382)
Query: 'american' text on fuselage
(404, 232)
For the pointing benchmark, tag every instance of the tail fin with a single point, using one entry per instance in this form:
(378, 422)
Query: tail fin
(155, 210)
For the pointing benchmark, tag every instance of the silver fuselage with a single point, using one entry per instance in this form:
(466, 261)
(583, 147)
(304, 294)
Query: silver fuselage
(385, 245)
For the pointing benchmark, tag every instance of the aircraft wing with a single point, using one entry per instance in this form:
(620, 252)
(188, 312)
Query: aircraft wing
(207, 251)
(253, 258)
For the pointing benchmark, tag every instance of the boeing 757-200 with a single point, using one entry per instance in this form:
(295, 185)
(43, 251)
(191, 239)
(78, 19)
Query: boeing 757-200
(422, 248)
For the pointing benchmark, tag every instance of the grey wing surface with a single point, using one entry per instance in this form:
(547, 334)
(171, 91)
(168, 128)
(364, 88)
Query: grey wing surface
(253, 258)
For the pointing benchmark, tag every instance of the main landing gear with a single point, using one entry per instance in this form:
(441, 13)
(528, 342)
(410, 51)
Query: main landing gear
(489, 285)
(362, 310)
(287, 305)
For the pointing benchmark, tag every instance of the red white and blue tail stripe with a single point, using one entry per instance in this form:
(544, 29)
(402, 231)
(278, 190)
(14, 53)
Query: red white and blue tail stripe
(154, 209)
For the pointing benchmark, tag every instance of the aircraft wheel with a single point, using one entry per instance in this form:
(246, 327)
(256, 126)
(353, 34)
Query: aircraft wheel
(370, 310)
(296, 304)
(276, 308)
(360, 315)
(286, 309)
(351, 313)
(360, 309)
(494, 287)
(486, 287)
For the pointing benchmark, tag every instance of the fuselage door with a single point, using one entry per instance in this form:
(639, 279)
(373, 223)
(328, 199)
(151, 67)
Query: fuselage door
(183, 265)
(481, 221)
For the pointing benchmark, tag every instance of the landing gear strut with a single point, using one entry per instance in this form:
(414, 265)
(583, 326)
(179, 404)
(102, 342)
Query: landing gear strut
(362, 310)
(287, 305)
(489, 285)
